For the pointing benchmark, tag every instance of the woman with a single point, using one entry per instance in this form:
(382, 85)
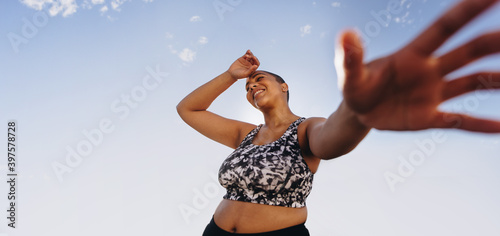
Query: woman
(269, 175)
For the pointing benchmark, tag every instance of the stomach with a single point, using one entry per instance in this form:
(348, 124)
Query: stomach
(245, 217)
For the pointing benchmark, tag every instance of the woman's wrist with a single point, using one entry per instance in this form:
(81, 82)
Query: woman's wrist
(230, 76)
(352, 116)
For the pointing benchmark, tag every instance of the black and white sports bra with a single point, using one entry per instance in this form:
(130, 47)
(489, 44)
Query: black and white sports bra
(272, 174)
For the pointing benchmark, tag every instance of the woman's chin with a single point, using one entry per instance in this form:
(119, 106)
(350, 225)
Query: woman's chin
(261, 104)
(258, 103)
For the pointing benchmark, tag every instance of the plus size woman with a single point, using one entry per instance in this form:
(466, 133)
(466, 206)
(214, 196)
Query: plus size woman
(271, 170)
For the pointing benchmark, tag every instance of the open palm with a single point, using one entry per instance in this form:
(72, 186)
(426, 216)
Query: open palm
(403, 90)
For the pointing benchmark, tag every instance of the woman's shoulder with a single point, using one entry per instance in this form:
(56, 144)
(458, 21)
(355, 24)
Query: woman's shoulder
(312, 121)
(246, 129)
(309, 123)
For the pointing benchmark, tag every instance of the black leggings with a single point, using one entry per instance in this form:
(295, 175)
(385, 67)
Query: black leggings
(298, 230)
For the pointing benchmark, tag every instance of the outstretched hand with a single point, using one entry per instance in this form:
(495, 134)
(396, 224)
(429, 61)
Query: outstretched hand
(403, 90)
(244, 66)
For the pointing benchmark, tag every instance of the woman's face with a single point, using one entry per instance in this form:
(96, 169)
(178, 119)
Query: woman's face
(263, 89)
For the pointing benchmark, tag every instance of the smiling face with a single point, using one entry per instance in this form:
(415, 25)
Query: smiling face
(263, 89)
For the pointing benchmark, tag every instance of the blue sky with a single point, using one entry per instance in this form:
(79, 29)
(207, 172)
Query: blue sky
(93, 87)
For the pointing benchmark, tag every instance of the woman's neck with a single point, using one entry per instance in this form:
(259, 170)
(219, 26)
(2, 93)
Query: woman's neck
(278, 117)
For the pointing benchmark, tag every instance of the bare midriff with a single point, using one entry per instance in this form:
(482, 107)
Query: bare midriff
(245, 217)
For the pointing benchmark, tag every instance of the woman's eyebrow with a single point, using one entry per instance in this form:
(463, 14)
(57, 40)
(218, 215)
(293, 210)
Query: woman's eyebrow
(253, 76)
(260, 73)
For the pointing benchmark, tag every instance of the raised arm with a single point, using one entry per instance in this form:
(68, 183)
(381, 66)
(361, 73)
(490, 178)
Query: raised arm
(193, 108)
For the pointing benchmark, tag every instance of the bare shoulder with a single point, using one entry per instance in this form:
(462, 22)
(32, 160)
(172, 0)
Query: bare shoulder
(245, 129)
(242, 129)
(303, 131)
(304, 128)
(310, 123)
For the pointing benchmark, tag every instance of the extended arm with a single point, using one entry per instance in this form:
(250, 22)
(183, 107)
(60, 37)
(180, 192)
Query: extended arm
(403, 90)
(337, 135)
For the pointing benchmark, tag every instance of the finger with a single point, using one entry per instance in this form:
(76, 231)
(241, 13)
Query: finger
(479, 81)
(255, 60)
(482, 46)
(352, 61)
(247, 54)
(251, 58)
(465, 122)
(449, 23)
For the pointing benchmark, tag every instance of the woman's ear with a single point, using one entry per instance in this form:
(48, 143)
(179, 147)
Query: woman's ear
(284, 87)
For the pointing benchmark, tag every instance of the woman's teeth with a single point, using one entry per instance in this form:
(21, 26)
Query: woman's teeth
(260, 91)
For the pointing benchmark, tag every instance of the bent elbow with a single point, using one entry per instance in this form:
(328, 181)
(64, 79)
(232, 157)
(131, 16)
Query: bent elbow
(182, 111)
(179, 108)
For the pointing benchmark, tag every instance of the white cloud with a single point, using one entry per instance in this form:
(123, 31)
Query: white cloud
(404, 19)
(103, 9)
(187, 55)
(306, 29)
(115, 4)
(86, 5)
(203, 40)
(335, 4)
(67, 7)
(111, 18)
(36, 4)
(195, 19)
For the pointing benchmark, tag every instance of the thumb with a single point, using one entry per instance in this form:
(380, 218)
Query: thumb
(349, 60)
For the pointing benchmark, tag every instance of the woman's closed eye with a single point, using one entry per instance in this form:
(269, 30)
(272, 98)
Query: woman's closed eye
(256, 80)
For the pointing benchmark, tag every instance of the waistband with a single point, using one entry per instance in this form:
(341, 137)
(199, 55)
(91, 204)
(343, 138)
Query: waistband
(297, 230)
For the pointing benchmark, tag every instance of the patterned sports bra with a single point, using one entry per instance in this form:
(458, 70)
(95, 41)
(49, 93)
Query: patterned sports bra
(272, 174)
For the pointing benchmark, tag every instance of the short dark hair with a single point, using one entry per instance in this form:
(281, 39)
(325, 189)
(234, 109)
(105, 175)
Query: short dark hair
(281, 81)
